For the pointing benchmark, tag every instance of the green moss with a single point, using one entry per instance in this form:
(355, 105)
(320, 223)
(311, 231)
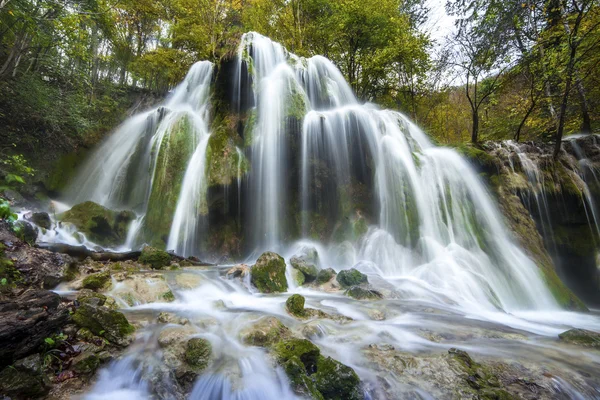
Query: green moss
(224, 164)
(103, 321)
(581, 337)
(268, 274)
(174, 154)
(295, 305)
(351, 277)
(97, 281)
(303, 349)
(359, 293)
(325, 275)
(337, 381)
(98, 223)
(64, 170)
(266, 332)
(168, 296)
(86, 364)
(197, 353)
(301, 382)
(156, 258)
(308, 269)
(478, 156)
(296, 103)
(10, 277)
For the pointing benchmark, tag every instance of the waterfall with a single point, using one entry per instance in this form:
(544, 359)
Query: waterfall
(364, 183)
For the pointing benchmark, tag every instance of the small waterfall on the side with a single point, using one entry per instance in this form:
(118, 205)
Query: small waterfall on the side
(155, 164)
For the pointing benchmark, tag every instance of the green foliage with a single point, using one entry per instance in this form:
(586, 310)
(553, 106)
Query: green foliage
(5, 211)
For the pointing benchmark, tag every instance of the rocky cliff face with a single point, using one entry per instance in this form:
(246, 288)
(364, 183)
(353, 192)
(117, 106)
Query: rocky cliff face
(551, 206)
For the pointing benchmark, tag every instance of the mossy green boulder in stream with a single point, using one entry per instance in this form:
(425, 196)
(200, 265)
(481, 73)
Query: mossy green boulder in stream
(97, 281)
(99, 224)
(268, 274)
(306, 264)
(154, 257)
(295, 305)
(581, 337)
(197, 353)
(313, 374)
(351, 277)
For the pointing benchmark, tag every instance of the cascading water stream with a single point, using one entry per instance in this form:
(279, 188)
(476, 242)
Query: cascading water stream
(313, 168)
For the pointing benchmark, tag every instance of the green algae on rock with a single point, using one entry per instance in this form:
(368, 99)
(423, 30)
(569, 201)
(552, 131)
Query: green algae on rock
(156, 258)
(102, 321)
(99, 224)
(197, 353)
(351, 277)
(581, 337)
(268, 274)
(97, 281)
(295, 305)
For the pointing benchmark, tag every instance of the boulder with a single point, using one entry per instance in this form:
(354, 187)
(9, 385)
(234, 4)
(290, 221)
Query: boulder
(581, 337)
(363, 293)
(24, 379)
(268, 274)
(105, 322)
(41, 219)
(325, 275)
(307, 263)
(295, 305)
(315, 375)
(36, 267)
(99, 224)
(351, 277)
(265, 332)
(25, 231)
(97, 281)
(26, 320)
(197, 353)
(156, 258)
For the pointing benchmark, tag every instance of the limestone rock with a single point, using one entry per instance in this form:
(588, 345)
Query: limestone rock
(268, 274)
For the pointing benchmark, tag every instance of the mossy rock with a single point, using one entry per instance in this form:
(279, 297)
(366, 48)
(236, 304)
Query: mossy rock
(24, 379)
(99, 224)
(325, 275)
(265, 332)
(156, 258)
(479, 377)
(86, 363)
(483, 160)
(295, 305)
(41, 219)
(97, 281)
(174, 153)
(87, 296)
(363, 293)
(168, 296)
(317, 376)
(64, 171)
(303, 349)
(224, 164)
(581, 337)
(25, 231)
(351, 277)
(105, 322)
(197, 353)
(268, 274)
(308, 269)
(337, 381)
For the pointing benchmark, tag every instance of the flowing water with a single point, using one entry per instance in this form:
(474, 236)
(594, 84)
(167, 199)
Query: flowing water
(363, 186)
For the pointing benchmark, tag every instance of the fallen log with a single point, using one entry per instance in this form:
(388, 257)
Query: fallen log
(82, 252)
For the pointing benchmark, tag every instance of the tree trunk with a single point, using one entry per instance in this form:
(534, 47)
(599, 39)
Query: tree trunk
(475, 131)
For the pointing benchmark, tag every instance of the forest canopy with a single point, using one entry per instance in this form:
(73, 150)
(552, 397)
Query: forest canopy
(514, 69)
